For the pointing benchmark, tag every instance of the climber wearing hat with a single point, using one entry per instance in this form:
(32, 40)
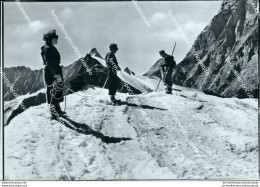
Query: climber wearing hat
(52, 70)
(112, 66)
(166, 70)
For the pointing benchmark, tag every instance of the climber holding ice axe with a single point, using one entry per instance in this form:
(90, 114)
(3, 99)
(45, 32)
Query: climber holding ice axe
(167, 69)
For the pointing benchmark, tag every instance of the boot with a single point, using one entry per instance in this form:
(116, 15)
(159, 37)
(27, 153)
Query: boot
(56, 108)
(62, 113)
(54, 113)
(113, 99)
(169, 90)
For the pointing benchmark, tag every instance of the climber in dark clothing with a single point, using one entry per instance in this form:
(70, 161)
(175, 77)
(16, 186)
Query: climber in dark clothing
(52, 72)
(112, 66)
(166, 70)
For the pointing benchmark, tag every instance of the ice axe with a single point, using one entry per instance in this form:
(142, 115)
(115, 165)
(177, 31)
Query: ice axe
(173, 48)
(166, 71)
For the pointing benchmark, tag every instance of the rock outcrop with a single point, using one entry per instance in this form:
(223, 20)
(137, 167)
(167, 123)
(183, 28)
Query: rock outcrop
(233, 34)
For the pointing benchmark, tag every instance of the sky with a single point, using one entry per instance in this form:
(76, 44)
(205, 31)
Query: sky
(97, 24)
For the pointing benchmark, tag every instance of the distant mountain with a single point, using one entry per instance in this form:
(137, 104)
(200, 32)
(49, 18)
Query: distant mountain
(232, 33)
(155, 69)
(127, 70)
(95, 53)
(27, 81)
(24, 80)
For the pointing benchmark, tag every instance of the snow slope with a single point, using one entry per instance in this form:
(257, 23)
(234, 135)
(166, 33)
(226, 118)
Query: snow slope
(224, 131)
(130, 79)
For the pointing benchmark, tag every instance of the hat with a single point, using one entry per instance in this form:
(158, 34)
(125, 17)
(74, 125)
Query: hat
(50, 35)
(113, 46)
(162, 52)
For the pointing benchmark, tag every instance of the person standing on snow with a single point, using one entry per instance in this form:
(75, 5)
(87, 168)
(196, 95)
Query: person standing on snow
(112, 66)
(166, 70)
(52, 71)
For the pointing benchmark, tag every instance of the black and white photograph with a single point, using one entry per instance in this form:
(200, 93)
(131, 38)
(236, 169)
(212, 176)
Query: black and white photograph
(130, 91)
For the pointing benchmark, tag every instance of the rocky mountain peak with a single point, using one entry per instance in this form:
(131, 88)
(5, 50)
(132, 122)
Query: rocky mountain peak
(233, 34)
(127, 70)
(95, 53)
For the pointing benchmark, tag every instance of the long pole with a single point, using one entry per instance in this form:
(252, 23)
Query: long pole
(158, 84)
(173, 48)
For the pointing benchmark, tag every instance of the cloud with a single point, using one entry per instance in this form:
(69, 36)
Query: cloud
(158, 17)
(25, 30)
(165, 35)
(163, 28)
(66, 13)
(160, 20)
(191, 26)
(162, 23)
(37, 26)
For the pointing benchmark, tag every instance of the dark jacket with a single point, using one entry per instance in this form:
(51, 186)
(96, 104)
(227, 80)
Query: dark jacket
(51, 57)
(168, 62)
(112, 66)
(111, 62)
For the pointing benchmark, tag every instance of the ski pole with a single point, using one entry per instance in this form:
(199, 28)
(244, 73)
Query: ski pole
(158, 84)
(163, 78)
